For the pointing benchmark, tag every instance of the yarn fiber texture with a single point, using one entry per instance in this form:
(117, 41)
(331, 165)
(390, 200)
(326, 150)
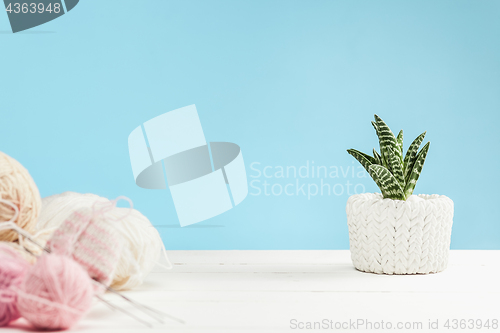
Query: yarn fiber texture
(399, 237)
(19, 250)
(12, 270)
(55, 293)
(17, 186)
(141, 241)
(91, 241)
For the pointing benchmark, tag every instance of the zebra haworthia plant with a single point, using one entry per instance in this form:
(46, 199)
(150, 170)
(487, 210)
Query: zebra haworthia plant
(395, 176)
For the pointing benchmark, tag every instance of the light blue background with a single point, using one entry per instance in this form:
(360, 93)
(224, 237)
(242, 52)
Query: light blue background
(289, 81)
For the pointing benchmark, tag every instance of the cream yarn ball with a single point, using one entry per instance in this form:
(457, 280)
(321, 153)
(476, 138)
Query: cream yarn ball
(143, 244)
(17, 186)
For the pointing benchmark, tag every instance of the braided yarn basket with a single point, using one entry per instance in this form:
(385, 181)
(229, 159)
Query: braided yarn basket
(399, 237)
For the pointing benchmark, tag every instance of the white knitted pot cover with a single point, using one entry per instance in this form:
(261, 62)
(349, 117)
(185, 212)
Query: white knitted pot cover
(399, 237)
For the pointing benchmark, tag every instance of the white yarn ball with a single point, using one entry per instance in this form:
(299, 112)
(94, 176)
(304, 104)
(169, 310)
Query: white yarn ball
(143, 244)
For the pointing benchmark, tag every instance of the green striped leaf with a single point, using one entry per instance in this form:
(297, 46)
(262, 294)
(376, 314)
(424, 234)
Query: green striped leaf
(386, 139)
(383, 161)
(388, 185)
(411, 156)
(377, 157)
(375, 126)
(397, 170)
(364, 159)
(399, 141)
(416, 170)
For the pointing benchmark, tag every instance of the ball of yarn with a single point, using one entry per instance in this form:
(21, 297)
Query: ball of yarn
(55, 293)
(17, 186)
(12, 270)
(142, 242)
(142, 250)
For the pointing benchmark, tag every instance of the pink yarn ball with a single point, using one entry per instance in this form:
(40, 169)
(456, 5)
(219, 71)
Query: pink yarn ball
(12, 270)
(55, 294)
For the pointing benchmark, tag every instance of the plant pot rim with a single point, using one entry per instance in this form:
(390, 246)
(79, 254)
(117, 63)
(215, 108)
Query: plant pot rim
(414, 198)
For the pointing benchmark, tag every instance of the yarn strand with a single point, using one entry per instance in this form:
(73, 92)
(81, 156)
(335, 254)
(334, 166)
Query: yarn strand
(14, 207)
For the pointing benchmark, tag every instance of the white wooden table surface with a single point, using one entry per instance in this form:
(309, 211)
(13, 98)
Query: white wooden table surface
(265, 291)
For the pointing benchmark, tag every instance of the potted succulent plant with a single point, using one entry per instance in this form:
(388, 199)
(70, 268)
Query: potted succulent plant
(396, 232)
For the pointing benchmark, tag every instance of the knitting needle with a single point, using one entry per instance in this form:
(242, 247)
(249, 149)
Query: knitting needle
(145, 306)
(113, 308)
(124, 311)
(34, 255)
(25, 234)
(154, 316)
